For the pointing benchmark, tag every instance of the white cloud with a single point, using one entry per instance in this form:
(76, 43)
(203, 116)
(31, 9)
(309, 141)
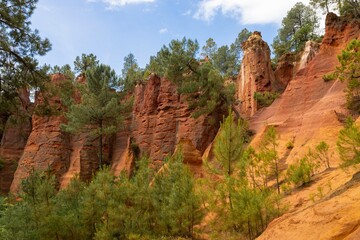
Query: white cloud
(120, 3)
(163, 30)
(246, 11)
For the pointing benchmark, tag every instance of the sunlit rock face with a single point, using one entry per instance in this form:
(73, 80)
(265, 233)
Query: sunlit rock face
(255, 74)
(308, 112)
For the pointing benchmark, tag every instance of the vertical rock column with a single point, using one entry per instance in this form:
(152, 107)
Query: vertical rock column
(47, 147)
(255, 74)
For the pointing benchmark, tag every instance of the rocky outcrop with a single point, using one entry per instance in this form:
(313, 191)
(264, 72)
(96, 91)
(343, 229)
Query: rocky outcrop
(16, 133)
(306, 114)
(161, 119)
(310, 50)
(256, 74)
(47, 147)
(290, 63)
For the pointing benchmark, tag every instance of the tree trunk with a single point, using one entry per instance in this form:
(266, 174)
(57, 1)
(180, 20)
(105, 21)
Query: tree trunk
(101, 145)
(327, 6)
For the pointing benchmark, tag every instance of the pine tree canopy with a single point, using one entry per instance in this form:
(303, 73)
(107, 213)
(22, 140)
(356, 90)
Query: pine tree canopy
(19, 45)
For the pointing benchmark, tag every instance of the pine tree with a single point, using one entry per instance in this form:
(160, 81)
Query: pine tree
(86, 62)
(209, 49)
(322, 153)
(66, 215)
(297, 28)
(200, 82)
(177, 207)
(228, 167)
(345, 7)
(269, 153)
(19, 48)
(31, 218)
(95, 201)
(100, 110)
(349, 144)
(131, 73)
(349, 71)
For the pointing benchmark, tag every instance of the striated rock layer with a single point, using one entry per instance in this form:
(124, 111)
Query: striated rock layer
(17, 131)
(47, 147)
(307, 113)
(161, 119)
(255, 74)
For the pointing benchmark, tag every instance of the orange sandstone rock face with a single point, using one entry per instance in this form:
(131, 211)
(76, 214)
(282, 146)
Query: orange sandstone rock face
(255, 74)
(47, 147)
(161, 119)
(289, 64)
(307, 113)
(17, 130)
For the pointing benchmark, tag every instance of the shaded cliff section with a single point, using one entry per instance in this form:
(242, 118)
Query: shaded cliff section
(15, 135)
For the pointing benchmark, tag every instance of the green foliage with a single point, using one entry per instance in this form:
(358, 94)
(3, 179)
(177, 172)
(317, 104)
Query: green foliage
(85, 62)
(329, 77)
(290, 145)
(297, 28)
(203, 85)
(19, 48)
(131, 73)
(226, 59)
(322, 153)
(100, 110)
(201, 81)
(349, 71)
(64, 70)
(265, 99)
(269, 153)
(348, 144)
(31, 218)
(240, 196)
(323, 4)
(344, 7)
(300, 173)
(257, 169)
(67, 218)
(108, 207)
(229, 145)
(177, 207)
(350, 7)
(254, 210)
(228, 150)
(209, 49)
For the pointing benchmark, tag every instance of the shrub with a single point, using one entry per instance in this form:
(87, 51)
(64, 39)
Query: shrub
(329, 77)
(349, 144)
(265, 99)
(290, 145)
(300, 172)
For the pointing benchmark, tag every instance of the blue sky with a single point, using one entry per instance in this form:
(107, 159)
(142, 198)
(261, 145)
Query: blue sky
(111, 29)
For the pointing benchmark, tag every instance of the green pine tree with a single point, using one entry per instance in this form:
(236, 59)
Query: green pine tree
(100, 110)
(177, 207)
(19, 48)
(228, 167)
(85, 62)
(349, 71)
(297, 28)
(349, 144)
(269, 153)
